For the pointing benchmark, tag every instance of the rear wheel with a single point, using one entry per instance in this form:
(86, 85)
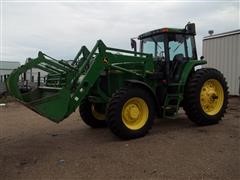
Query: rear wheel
(130, 112)
(93, 114)
(206, 96)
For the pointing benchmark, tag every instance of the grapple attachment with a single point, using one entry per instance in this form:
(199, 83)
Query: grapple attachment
(65, 84)
(52, 99)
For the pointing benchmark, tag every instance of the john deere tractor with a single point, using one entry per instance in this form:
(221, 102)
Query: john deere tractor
(126, 90)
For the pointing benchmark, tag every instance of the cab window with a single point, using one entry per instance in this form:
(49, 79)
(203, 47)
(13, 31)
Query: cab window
(154, 45)
(191, 48)
(176, 46)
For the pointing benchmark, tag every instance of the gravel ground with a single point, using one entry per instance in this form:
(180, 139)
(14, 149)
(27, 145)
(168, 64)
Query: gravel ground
(31, 147)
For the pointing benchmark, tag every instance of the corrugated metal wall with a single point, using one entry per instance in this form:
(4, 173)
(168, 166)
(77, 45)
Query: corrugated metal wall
(223, 53)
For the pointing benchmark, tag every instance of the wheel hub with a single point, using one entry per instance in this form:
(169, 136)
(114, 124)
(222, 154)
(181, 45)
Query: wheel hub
(211, 97)
(135, 113)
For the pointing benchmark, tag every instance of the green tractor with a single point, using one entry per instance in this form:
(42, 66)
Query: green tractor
(125, 90)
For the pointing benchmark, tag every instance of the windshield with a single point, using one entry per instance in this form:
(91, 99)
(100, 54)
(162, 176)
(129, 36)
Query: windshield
(154, 45)
(180, 44)
(176, 45)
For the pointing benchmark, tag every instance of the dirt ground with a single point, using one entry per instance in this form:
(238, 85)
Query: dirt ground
(32, 147)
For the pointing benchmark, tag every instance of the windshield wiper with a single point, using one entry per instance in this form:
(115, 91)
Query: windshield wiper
(154, 40)
(177, 47)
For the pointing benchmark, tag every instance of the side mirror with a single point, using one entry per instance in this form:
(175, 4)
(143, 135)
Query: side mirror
(133, 44)
(202, 57)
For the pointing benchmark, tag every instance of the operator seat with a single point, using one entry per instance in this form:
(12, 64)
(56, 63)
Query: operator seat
(177, 67)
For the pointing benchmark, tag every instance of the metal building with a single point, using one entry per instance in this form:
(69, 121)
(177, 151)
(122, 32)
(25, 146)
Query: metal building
(6, 67)
(222, 51)
(31, 76)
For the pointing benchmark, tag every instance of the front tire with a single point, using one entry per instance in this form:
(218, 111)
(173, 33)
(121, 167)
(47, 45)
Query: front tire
(130, 112)
(92, 115)
(206, 96)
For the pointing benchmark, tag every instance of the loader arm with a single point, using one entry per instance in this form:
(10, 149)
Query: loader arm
(68, 84)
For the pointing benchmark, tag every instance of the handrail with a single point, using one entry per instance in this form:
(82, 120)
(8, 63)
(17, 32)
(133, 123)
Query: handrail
(127, 51)
(124, 70)
(124, 63)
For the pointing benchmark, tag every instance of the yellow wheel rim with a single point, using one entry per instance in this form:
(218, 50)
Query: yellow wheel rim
(96, 114)
(135, 113)
(211, 97)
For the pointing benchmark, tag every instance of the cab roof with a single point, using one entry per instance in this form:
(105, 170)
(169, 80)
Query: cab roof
(189, 29)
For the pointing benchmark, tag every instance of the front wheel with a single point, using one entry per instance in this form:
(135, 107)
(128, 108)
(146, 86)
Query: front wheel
(130, 112)
(93, 114)
(206, 96)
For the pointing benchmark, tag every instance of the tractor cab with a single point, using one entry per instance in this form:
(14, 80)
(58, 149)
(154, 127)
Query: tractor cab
(171, 49)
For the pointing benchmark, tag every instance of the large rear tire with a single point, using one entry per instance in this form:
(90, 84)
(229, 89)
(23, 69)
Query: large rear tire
(130, 112)
(206, 96)
(92, 114)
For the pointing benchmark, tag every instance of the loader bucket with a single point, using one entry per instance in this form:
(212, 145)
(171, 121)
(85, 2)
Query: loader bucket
(50, 103)
(52, 99)
(66, 85)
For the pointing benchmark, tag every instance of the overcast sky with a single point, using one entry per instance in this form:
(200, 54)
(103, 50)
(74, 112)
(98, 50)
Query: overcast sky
(59, 29)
